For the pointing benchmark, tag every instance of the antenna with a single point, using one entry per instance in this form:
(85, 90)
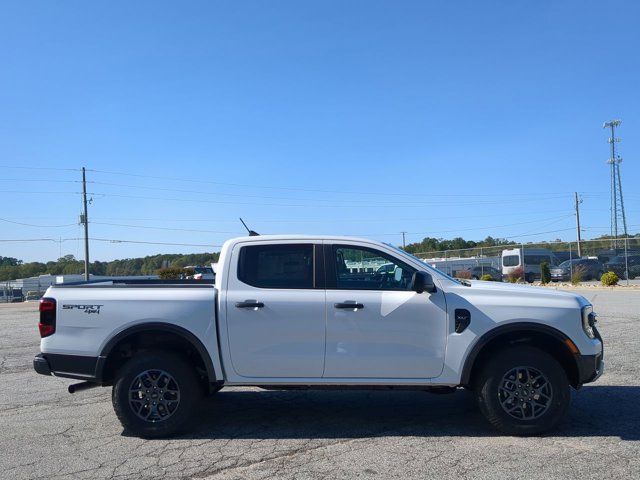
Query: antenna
(251, 232)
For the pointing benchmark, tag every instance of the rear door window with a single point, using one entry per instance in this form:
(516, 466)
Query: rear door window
(277, 266)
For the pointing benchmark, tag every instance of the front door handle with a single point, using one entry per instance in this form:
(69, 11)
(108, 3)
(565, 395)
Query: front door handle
(349, 305)
(249, 304)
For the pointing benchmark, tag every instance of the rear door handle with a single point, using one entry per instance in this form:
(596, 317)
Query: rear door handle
(349, 305)
(249, 304)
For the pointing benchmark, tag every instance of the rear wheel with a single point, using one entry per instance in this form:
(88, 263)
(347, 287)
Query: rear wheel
(523, 391)
(155, 393)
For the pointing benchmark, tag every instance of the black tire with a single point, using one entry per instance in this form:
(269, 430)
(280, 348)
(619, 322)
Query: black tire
(489, 392)
(170, 415)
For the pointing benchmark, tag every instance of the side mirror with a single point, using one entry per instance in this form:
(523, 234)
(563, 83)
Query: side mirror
(422, 282)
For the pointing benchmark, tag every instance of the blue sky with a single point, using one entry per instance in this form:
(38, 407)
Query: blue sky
(370, 118)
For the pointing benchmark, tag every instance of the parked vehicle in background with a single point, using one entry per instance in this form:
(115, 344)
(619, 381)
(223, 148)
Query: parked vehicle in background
(533, 257)
(591, 268)
(32, 295)
(452, 265)
(202, 273)
(478, 272)
(385, 269)
(618, 266)
(287, 312)
(609, 254)
(17, 296)
(564, 255)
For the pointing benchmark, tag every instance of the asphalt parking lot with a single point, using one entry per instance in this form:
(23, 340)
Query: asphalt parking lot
(248, 433)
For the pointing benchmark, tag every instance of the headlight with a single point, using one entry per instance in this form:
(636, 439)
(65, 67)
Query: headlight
(588, 321)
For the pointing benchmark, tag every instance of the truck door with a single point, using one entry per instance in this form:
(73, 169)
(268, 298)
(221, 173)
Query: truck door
(276, 310)
(377, 327)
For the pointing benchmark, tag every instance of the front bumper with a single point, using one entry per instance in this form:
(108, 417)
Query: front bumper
(591, 367)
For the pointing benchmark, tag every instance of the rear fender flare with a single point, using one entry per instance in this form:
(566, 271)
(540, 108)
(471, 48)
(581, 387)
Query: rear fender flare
(157, 327)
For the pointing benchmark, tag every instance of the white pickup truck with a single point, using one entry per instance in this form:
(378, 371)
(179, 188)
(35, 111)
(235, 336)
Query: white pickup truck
(318, 312)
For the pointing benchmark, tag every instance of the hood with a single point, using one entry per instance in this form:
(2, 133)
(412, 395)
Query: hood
(498, 303)
(520, 295)
(559, 269)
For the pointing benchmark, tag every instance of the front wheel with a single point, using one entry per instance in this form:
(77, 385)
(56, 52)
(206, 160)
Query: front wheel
(155, 394)
(523, 391)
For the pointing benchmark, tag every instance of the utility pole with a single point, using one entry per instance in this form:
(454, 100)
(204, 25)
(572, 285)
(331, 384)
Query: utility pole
(578, 202)
(404, 243)
(84, 219)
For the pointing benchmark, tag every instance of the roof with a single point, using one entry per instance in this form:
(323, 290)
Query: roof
(303, 237)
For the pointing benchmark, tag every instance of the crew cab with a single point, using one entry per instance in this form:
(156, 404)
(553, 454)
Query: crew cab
(318, 312)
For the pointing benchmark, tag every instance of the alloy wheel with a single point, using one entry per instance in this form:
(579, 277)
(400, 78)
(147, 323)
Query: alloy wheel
(154, 395)
(525, 393)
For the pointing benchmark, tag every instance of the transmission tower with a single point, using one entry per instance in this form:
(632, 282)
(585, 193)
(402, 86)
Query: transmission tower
(618, 218)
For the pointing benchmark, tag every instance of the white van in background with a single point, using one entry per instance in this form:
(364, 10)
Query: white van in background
(533, 257)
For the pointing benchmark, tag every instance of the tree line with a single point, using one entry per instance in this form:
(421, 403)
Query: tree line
(12, 268)
(430, 244)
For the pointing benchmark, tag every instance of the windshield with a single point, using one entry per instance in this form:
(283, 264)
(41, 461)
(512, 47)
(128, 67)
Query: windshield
(203, 270)
(422, 262)
(567, 263)
(511, 260)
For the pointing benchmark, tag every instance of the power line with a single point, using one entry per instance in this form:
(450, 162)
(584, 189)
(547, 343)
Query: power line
(29, 240)
(301, 189)
(110, 240)
(490, 227)
(306, 205)
(435, 232)
(42, 180)
(165, 228)
(540, 233)
(542, 226)
(321, 220)
(30, 192)
(38, 226)
(22, 167)
(244, 195)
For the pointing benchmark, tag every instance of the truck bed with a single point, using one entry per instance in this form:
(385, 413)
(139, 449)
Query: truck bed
(146, 283)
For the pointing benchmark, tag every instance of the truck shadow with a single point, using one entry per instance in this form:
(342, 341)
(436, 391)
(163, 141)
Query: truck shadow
(598, 410)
